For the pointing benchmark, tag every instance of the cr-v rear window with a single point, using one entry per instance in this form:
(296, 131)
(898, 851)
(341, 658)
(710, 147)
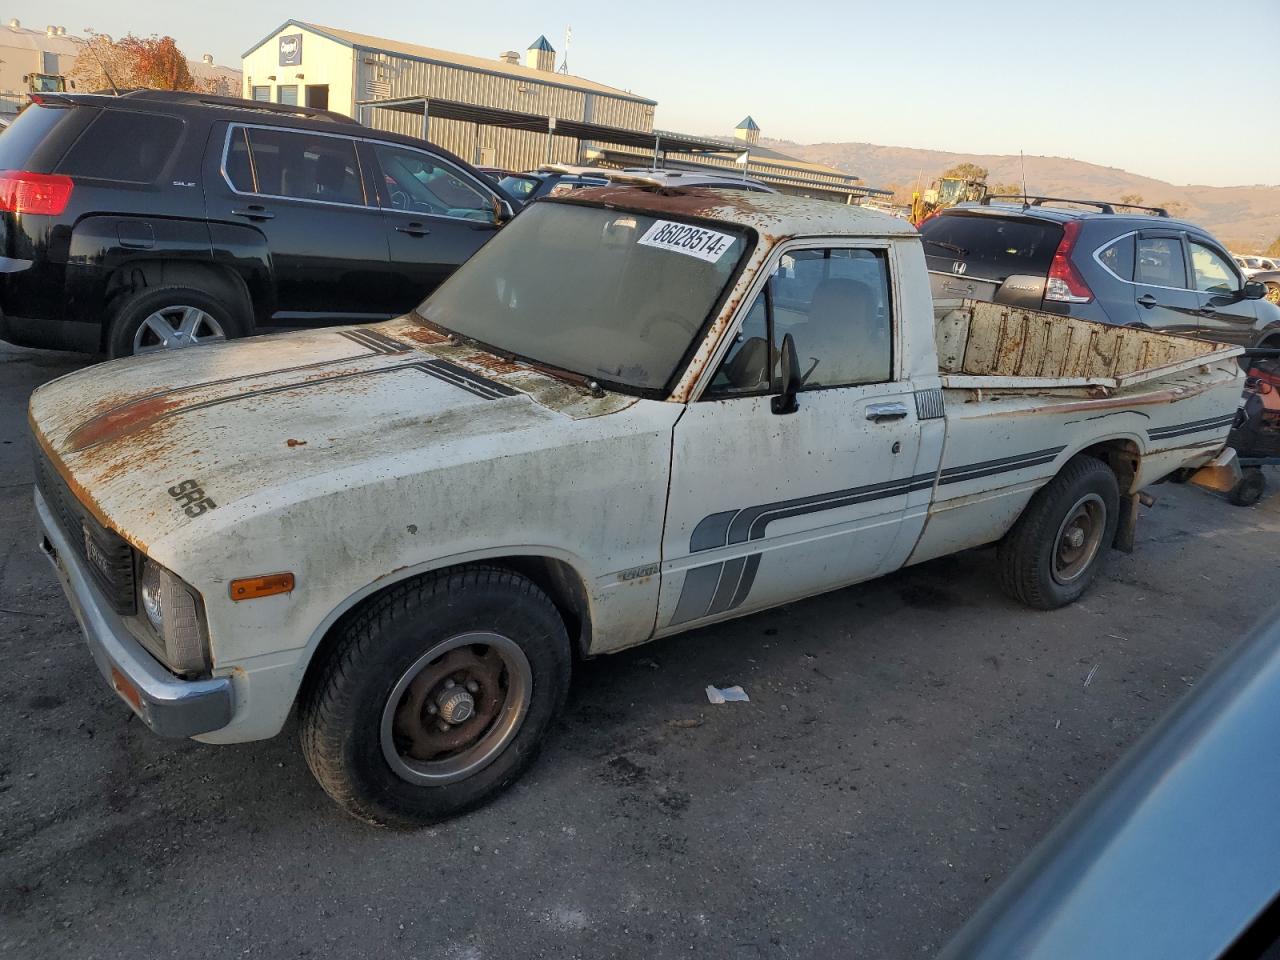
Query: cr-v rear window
(991, 248)
(123, 145)
(20, 140)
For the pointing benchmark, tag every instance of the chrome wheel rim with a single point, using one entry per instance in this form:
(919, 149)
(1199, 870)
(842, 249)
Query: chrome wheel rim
(1079, 537)
(172, 328)
(456, 708)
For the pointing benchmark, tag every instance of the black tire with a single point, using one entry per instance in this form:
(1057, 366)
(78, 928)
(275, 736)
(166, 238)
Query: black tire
(344, 703)
(1031, 556)
(1250, 488)
(138, 306)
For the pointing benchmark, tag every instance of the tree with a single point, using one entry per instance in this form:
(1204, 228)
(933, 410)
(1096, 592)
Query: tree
(153, 62)
(966, 171)
(1131, 199)
(1005, 190)
(1176, 208)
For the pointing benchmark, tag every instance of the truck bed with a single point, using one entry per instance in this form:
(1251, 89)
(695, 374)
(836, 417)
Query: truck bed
(993, 346)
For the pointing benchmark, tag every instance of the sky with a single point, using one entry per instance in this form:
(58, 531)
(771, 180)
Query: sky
(1181, 90)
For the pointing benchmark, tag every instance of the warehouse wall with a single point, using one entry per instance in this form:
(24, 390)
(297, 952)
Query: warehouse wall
(323, 61)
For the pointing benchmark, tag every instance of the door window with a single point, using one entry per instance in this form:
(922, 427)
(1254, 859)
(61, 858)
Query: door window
(1160, 262)
(296, 165)
(420, 183)
(835, 304)
(745, 368)
(1213, 273)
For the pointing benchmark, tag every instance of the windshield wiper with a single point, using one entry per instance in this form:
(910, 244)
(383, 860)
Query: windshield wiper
(948, 246)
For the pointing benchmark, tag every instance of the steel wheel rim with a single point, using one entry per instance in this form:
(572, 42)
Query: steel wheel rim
(497, 711)
(175, 327)
(1079, 537)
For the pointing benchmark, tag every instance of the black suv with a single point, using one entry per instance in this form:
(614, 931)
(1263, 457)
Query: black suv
(1096, 261)
(155, 220)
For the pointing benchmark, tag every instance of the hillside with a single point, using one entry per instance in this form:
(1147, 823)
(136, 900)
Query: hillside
(1246, 218)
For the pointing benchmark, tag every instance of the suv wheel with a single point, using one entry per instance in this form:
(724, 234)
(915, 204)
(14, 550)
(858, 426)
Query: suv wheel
(1273, 292)
(169, 318)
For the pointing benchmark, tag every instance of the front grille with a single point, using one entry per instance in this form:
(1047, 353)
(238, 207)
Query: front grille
(107, 555)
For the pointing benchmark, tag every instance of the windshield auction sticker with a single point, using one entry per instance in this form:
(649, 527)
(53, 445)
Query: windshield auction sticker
(692, 241)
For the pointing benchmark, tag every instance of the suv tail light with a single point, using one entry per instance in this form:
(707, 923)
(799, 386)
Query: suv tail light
(42, 193)
(1064, 283)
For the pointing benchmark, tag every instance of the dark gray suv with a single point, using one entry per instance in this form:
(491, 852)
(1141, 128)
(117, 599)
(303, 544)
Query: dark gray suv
(1097, 261)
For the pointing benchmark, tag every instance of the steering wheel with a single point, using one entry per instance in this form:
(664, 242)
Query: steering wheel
(648, 324)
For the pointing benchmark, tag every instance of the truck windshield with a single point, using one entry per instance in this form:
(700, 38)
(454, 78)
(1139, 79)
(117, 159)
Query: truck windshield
(613, 296)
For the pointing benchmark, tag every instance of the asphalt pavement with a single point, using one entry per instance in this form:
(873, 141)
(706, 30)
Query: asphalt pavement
(907, 742)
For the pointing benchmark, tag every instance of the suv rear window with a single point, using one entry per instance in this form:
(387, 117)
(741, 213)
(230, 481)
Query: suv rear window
(122, 145)
(991, 248)
(25, 133)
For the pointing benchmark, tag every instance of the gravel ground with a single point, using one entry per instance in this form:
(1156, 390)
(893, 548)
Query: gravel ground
(907, 742)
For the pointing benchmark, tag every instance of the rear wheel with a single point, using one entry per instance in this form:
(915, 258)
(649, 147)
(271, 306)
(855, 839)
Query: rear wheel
(170, 318)
(1249, 488)
(436, 697)
(1053, 552)
(1273, 291)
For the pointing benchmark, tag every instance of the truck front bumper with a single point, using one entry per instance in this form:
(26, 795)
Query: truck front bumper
(170, 706)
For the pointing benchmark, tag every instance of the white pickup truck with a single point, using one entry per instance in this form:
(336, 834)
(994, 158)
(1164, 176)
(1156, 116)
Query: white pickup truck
(634, 412)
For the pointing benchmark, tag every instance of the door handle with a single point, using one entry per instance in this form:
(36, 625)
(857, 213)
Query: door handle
(882, 412)
(414, 230)
(254, 212)
(1147, 300)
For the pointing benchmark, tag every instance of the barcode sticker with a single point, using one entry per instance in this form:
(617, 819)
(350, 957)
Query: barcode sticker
(684, 238)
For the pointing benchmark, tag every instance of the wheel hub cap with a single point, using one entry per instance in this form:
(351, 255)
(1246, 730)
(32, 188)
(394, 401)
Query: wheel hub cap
(455, 709)
(1079, 538)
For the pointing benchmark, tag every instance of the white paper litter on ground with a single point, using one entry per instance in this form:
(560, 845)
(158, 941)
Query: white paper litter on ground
(727, 695)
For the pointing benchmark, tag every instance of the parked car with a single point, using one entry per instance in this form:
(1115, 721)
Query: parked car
(550, 181)
(1173, 854)
(635, 413)
(157, 220)
(1093, 261)
(690, 178)
(1270, 279)
(1249, 265)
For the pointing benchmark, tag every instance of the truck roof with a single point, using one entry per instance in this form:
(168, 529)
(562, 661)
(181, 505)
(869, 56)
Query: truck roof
(771, 214)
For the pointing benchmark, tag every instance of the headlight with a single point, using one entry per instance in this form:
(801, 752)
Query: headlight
(173, 611)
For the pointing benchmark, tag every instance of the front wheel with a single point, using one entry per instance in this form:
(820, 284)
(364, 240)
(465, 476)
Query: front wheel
(1053, 552)
(436, 696)
(1273, 292)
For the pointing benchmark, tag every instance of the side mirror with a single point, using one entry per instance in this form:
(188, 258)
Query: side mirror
(502, 211)
(1253, 290)
(786, 401)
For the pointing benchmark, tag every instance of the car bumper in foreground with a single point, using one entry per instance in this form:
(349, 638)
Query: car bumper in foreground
(170, 706)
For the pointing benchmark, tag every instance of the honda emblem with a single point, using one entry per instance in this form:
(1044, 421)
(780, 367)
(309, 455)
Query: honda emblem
(959, 266)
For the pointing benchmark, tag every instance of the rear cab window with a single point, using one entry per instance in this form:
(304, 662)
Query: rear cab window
(124, 146)
(990, 247)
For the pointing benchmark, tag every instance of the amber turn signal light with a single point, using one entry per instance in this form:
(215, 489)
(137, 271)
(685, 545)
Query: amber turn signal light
(251, 588)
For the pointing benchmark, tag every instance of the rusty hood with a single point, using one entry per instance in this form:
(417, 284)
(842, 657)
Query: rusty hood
(135, 440)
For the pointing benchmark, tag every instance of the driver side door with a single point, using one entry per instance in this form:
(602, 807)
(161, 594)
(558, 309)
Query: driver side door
(1224, 314)
(435, 215)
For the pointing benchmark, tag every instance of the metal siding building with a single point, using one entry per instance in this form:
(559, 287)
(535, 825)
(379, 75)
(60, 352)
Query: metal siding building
(355, 74)
(355, 69)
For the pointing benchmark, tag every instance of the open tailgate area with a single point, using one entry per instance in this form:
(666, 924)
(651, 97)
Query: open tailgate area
(994, 346)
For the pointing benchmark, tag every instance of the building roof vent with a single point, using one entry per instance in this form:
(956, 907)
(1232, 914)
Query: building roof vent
(62, 31)
(51, 31)
(541, 55)
(747, 130)
(207, 58)
(15, 24)
(510, 56)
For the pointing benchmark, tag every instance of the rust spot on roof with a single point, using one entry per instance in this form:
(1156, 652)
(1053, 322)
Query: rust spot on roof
(492, 363)
(119, 421)
(686, 201)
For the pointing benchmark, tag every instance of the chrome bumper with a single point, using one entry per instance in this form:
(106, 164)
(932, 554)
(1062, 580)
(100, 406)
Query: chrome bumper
(170, 706)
